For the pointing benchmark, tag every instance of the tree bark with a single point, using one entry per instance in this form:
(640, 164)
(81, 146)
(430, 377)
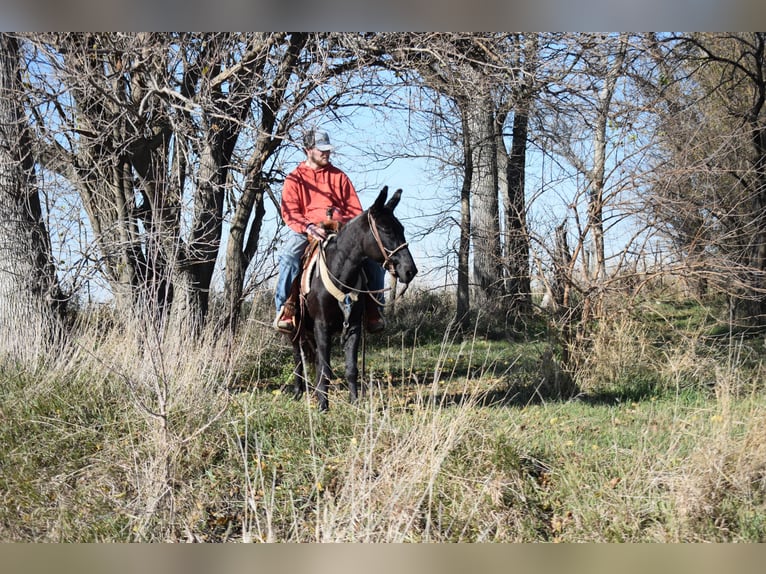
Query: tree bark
(514, 202)
(31, 303)
(463, 301)
(485, 215)
(613, 64)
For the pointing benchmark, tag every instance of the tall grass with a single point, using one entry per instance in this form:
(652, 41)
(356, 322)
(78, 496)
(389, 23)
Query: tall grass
(128, 436)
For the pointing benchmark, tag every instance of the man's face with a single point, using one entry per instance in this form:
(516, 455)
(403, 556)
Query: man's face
(318, 158)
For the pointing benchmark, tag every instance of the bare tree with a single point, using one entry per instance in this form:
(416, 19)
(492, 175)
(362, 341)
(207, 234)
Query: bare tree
(302, 77)
(166, 135)
(579, 114)
(98, 133)
(512, 171)
(31, 303)
(710, 193)
(481, 74)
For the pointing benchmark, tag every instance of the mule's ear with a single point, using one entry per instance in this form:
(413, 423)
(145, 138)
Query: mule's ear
(394, 201)
(380, 203)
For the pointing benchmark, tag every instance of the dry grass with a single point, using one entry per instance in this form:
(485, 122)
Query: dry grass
(126, 437)
(720, 494)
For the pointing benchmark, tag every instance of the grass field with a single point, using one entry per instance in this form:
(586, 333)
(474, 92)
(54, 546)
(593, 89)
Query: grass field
(657, 435)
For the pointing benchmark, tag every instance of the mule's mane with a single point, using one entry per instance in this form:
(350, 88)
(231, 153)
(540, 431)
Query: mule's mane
(368, 213)
(343, 229)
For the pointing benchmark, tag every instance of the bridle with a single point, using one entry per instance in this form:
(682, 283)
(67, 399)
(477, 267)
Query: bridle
(387, 255)
(330, 281)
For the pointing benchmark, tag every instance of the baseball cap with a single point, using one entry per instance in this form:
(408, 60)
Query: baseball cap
(318, 139)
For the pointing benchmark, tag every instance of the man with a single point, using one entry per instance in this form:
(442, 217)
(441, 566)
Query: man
(309, 191)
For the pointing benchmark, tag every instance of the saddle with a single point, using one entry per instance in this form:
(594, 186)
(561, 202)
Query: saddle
(310, 259)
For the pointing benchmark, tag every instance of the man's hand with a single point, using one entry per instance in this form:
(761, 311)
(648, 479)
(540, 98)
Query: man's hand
(313, 230)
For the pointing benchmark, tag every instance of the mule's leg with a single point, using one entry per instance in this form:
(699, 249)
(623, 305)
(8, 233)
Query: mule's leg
(351, 348)
(300, 383)
(324, 372)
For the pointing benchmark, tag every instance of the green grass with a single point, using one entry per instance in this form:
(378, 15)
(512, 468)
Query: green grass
(459, 438)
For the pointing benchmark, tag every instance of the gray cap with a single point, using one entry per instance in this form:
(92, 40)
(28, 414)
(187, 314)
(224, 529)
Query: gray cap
(318, 139)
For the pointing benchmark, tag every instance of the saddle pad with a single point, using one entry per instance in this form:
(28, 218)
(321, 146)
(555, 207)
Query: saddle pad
(308, 271)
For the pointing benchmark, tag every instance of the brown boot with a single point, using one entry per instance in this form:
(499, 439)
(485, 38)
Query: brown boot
(285, 320)
(373, 316)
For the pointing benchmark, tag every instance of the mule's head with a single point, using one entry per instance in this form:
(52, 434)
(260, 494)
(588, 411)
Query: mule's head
(388, 246)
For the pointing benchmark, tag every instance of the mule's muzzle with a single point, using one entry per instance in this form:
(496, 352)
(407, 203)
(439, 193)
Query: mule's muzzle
(406, 272)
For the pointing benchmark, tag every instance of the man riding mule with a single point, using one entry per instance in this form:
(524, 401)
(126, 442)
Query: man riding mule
(314, 190)
(334, 290)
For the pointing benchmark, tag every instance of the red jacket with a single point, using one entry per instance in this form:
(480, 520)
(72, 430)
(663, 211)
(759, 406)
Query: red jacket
(308, 193)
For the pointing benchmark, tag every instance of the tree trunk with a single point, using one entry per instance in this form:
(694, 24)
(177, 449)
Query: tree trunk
(31, 305)
(194, 274)
(561, 290)
(757, 306)
(613, 64)
(240, 251)
(516, 238)
(485, 222)
(754, 308)
(463, 287)
(562, 260)
(242, 246)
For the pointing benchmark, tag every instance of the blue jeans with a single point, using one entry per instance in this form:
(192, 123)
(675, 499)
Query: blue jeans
(290, 265)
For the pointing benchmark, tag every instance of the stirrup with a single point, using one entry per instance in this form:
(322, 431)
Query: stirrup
(284, 321)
